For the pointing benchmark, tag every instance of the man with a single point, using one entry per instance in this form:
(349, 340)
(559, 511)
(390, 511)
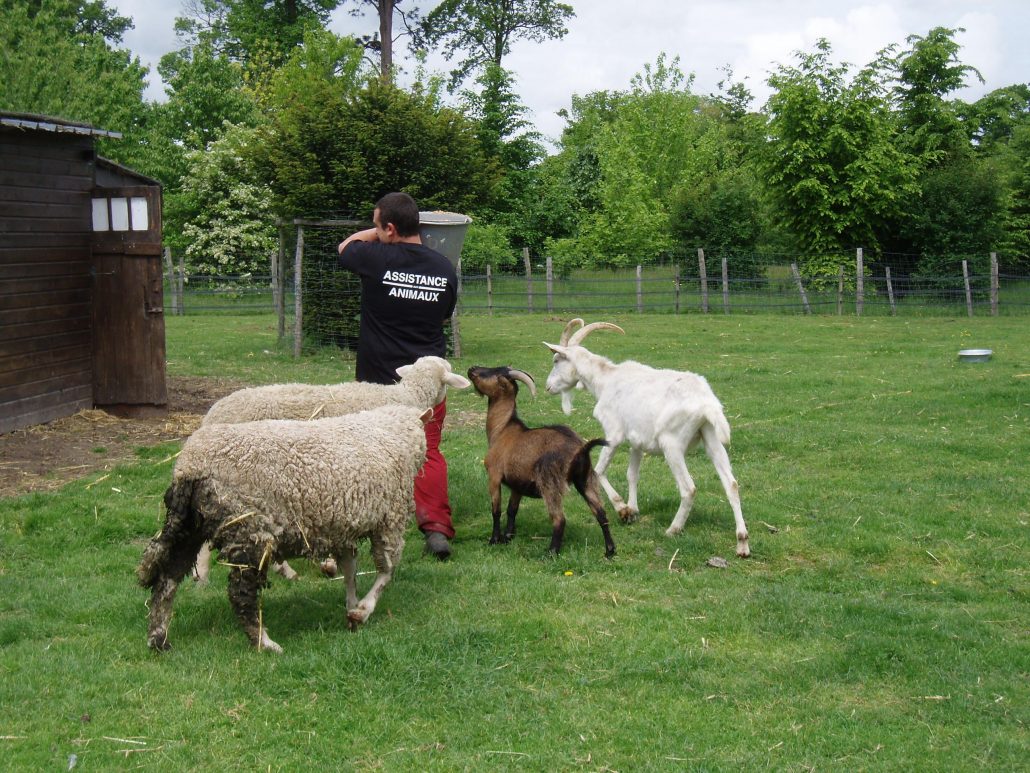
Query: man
(408, 291)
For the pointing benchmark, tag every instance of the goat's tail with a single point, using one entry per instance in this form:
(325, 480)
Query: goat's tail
(180, 538)
(717, 424)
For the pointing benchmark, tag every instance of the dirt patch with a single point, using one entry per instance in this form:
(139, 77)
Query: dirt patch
(49, 455)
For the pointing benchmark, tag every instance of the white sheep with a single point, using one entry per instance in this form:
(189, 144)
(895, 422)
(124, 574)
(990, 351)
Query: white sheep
(656, 411)
(423, 385)
(264, 491)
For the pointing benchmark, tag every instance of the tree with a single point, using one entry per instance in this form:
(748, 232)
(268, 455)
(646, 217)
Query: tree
(832, 163)
(58, 59)
(383, 42)
(482, 31)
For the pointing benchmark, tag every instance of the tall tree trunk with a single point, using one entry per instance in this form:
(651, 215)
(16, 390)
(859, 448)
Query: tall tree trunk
(386, 40)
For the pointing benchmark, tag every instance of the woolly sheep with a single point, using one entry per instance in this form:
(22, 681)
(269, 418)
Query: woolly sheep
(423, 385)
(656, 411)
(267, 490)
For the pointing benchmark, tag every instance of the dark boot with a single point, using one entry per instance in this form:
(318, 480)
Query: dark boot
(437, 545)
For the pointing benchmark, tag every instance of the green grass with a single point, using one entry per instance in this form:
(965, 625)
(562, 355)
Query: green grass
(882, 626)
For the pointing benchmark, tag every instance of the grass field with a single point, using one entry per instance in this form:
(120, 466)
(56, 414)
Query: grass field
(881, 623)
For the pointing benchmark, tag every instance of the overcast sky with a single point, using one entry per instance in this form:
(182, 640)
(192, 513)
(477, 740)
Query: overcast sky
(611, 40)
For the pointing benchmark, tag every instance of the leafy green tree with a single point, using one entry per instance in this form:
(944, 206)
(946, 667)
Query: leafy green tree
(384, 41)
(231, 229)
(832, 165)
(482, 31)
(59, 59)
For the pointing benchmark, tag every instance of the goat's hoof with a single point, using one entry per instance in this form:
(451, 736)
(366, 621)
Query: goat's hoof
(672, 531)
(628, 514)
(609, 553)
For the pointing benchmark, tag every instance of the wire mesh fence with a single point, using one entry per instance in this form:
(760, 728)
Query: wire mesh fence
(318, 305)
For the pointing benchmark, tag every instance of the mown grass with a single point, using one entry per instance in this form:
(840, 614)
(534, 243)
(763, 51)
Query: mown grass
(880, 625)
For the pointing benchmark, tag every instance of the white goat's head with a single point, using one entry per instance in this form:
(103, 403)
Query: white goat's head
(564, 377)
(440, 369)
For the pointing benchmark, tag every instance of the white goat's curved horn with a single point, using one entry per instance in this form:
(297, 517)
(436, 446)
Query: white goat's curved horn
(525, 378)
(571, 325)
(579, 335)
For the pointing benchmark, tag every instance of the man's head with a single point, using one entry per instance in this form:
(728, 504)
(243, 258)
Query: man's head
(396, 215)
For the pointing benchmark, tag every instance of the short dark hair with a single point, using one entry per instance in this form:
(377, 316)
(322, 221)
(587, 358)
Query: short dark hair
(401, 210)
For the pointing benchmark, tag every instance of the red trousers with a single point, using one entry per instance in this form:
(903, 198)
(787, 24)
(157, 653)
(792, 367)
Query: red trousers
(432, 504)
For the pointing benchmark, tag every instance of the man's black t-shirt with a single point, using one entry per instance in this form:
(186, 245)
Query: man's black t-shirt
(408, 291)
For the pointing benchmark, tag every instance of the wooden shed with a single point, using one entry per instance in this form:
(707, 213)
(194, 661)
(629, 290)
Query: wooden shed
(81, 311)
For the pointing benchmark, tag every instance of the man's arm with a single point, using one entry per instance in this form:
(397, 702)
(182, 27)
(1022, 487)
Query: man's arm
(368, 235)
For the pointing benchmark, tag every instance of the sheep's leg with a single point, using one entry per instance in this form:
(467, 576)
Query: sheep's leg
(350, 573)
(633, 478)
(717, 453)
(245, 583)
(285, 570)
(513, 509)
(384, 561)
(626, 515)
(588, 490)
(178, 564)
(685, 484)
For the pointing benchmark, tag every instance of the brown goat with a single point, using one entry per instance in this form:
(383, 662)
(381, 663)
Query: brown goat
(538, 463)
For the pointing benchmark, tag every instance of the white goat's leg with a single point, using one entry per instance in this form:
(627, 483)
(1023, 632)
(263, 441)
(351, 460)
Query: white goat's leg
(685, 484)
(717, 453)
(384, 573)
(603, 460)
(350, 574)
(633, 477)
(202, 567)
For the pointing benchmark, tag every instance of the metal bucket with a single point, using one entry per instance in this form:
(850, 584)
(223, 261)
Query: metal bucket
(975, 355)
(444, 232)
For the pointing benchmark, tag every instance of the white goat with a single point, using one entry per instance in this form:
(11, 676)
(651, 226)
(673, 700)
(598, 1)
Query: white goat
(656, 411)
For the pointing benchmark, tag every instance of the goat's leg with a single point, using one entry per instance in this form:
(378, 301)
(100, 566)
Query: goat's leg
(685, 484)
(495, 509)
(246, 578)
(632, 479)
(626, 515)
(384, 559)
(552, 499)
(589, 491)
(717, 453)
(350, 574)
(513, 509)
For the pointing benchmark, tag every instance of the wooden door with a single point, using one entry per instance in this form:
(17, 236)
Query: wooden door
(128, 300)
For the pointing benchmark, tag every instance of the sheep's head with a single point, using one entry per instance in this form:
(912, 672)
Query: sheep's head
(564, 375)
(434, 367)
(500, 382)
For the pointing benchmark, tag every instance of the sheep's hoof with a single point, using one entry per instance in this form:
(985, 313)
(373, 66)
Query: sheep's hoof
(628, 514)
(356, 617)
(159, 641)
(672, 531)
(265, 644)
(743, 549)
(329, 567)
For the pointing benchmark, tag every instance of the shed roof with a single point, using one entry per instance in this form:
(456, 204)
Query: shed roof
(50, 124)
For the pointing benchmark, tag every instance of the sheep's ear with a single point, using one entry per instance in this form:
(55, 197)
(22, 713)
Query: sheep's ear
(404, 370)
(426, 416)
(456, 381)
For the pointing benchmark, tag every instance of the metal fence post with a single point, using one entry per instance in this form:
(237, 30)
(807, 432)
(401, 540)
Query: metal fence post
(994, 284)
(529, 278)
(298, 293)
(859, 282)
(725, 287)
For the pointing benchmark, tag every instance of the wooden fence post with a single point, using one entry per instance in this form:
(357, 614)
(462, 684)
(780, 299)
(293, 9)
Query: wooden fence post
(171, 277)
(489, 291)
(840, 291)
(801, 287)
(640, 290)
(298, 293)
(969, 294)
(890, 290)
(994, 284)
(859, 282)
(725, 287)
(529, 278)
(676, 288)
(550, 284)
(704, 279)
(455, 329)
(278, 272)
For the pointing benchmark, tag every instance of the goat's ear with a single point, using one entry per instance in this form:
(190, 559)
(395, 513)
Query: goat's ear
(456, 381)
(555, 348)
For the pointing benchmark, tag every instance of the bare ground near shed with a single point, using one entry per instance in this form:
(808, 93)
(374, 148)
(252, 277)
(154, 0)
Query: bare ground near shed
(47, 456)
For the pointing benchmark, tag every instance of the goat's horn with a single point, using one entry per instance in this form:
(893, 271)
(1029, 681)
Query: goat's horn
(571, 325)
(525, 378)
(579, 335)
